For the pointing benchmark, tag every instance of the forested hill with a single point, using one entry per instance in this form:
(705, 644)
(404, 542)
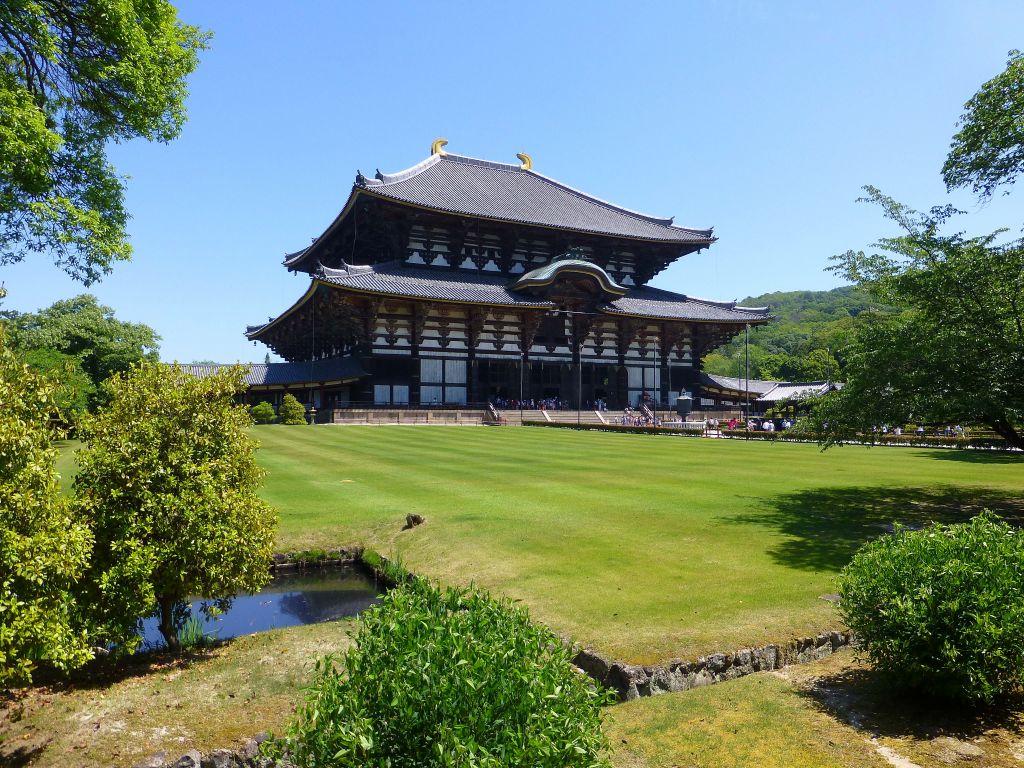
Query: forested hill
(805, 342)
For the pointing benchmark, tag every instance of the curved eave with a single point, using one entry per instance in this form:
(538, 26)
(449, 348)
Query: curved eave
(293, 261)
(721, 321)
(554, 272)
(256, 331)
(253, 335)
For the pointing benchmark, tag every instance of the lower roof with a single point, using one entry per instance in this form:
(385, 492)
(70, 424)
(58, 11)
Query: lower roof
(766, 391)
(279, 374)
(397, 280)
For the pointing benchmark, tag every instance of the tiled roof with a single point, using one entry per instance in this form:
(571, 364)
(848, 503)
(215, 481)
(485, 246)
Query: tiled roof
(265, 374)
(395, 280)
(466, 185)
(788, 390)
(757, 386)
(654, 302)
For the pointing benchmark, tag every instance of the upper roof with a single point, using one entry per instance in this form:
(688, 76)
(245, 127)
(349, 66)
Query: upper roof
(268, 374)
(458, 184)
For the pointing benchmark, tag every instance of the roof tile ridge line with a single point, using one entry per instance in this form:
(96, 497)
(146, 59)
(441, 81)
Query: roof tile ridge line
(384, 179)
(662, 220)
(713, 302)
(646, 287)
(399, 268)
(482, 163)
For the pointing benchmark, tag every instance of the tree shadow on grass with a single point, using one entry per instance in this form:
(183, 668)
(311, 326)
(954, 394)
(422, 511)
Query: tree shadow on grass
(103, 672)
(867, 701)
(975, 457)
(17, 757)
(823, 528)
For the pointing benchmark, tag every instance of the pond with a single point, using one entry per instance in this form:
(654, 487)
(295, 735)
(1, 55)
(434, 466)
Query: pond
(290, 599)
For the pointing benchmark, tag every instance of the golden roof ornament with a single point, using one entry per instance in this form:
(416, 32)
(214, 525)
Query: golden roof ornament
(436, 147)
(526, 160)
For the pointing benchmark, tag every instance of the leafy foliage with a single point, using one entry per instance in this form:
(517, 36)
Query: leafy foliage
(449, 678)
(75, 390)
(43, 549)
(806, 342)
(75, 76)
(988, 151)
(168, 484)
(86, 335)
(292, 411)
(956, 354)
(262, 412)
(942, 609)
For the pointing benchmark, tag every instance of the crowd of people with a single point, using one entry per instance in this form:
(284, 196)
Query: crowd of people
(639, 418)
(944, 431)
(545, 404)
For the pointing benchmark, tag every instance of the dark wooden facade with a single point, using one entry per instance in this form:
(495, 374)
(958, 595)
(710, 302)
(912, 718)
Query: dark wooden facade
(461, 306)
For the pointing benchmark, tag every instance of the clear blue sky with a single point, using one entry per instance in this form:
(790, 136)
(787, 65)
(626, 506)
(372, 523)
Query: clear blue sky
(762, 119)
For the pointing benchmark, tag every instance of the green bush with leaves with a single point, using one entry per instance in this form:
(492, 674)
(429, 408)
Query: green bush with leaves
(292, 411)
(942, 609)
(43, 549)
(449, 678)
(168, 483)
(262, 413)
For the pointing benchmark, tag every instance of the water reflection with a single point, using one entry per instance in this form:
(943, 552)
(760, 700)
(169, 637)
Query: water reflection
(289, 600)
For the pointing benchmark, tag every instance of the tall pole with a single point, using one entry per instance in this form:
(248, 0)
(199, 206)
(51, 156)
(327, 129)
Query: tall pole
(746, 378)
(657, 376)
(522, 363)
(579, 380)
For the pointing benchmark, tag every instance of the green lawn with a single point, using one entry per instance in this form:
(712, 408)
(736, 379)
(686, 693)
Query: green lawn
(107, 715)
(645, 547)
(835, 712)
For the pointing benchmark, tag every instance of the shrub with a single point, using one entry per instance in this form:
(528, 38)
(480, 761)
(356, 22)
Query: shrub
(942, 609)
(292, 411)
(43, 547)
(168, 483)
(449, 677)
(262, 413)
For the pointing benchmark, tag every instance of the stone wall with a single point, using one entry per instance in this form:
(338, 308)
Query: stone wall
(632, 681)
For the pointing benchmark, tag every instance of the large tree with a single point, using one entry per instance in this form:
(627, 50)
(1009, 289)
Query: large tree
(168, 484)
(76, 75)
(957, 353)
(988, 151)
(87, 332)
(43, 549)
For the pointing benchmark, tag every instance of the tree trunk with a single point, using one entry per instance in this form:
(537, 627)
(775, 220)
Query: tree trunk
(167, 628)
(1005, 430)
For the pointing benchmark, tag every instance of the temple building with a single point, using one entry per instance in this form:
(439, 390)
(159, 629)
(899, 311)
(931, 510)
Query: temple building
(461, 281)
